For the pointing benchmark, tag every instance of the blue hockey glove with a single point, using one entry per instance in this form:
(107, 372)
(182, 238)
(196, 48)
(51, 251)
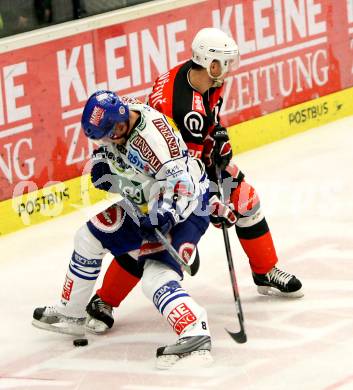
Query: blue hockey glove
(166, 220)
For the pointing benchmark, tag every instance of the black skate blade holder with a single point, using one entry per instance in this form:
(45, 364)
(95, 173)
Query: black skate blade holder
(240, 337)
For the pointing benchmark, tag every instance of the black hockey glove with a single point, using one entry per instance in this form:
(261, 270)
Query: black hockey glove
(222, 149)
(221, 213)
(217, 148)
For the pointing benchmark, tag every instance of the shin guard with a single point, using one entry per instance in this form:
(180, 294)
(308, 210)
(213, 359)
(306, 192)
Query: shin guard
(252, 229)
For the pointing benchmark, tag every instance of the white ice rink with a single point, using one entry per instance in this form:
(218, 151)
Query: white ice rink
(306, 184)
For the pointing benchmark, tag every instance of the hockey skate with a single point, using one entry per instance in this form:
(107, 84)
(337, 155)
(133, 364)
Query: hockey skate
(280, 283)
(100, 316)
(49, 318)
(188, 352)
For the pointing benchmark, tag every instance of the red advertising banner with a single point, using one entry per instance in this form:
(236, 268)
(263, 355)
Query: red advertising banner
(291, 51)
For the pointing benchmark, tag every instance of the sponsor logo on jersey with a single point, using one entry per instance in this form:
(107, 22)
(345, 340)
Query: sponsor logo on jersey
(96, 116)
(116, 161)
(145, 151)
(135, 160)
(68, 284)
(174, 171)
(197, 103)
(194, 123)
(181, 317)
(122, 149)
(168, 135)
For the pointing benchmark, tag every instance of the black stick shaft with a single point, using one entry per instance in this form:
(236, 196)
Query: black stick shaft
(241, 336)
(232, 275)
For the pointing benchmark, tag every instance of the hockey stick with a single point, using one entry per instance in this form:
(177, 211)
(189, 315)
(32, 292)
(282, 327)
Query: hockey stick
(168, 246)
(239, 337)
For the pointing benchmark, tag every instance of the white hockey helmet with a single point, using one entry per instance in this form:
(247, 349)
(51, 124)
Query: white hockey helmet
(212, 44)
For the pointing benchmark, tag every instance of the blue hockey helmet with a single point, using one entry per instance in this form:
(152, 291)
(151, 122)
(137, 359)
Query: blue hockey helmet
(102, 110)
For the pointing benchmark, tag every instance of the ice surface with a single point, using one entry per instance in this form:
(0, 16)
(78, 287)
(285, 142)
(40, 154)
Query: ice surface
(306, 184)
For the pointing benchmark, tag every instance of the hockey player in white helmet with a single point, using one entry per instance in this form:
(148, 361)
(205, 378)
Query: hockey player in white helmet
(143, 159)
(191, 94)
(215, 51)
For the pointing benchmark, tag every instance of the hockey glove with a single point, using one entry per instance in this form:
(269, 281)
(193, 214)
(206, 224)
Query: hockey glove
(166, 220)
(221, 213)
(222, 150)
(217, 148)
(101, 175)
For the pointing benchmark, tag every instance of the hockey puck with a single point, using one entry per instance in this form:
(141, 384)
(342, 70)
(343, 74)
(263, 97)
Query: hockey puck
(80, 342)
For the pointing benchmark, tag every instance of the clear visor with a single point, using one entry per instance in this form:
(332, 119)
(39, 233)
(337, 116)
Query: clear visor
(232, 64)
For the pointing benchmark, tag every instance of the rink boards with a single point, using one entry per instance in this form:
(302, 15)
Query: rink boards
(63, 197)
(296, 73)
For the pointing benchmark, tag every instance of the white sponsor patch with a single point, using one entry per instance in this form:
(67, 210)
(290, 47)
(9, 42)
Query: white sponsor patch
(101, 97)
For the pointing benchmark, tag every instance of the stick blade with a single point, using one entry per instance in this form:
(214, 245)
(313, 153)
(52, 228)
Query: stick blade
(239, 337)
(195, 265)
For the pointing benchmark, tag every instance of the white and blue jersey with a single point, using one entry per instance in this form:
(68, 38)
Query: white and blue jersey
(152, 170)
(153, 165)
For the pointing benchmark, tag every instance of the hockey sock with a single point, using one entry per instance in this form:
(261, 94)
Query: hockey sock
(121, 277)
(161, 285)
(261, 252)
(82, 273)
(183, 314)
(252, 229)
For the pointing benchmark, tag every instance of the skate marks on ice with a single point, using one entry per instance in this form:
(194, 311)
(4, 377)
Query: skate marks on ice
(305, 343)
(125, 359)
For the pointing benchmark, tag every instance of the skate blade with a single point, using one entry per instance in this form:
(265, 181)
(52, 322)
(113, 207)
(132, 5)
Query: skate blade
(60, 327)
(266, 290)
(196, 359)
(96, 327)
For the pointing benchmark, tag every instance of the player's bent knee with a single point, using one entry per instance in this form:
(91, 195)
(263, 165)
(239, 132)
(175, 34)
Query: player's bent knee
(155, 275)
(87, 245)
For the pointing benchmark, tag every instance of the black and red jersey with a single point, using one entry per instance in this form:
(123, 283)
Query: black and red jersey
(194, 114)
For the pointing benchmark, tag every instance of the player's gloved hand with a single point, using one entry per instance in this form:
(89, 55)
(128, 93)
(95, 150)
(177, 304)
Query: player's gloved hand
(101, 175)
(217, 148)
(221, 213)
(222, 153)
(163, 221)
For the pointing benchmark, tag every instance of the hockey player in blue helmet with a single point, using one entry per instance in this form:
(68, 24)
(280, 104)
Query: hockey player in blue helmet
(106, 116)
(143, 159)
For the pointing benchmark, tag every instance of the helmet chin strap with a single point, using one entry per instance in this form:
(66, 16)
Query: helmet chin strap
(217, 81)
